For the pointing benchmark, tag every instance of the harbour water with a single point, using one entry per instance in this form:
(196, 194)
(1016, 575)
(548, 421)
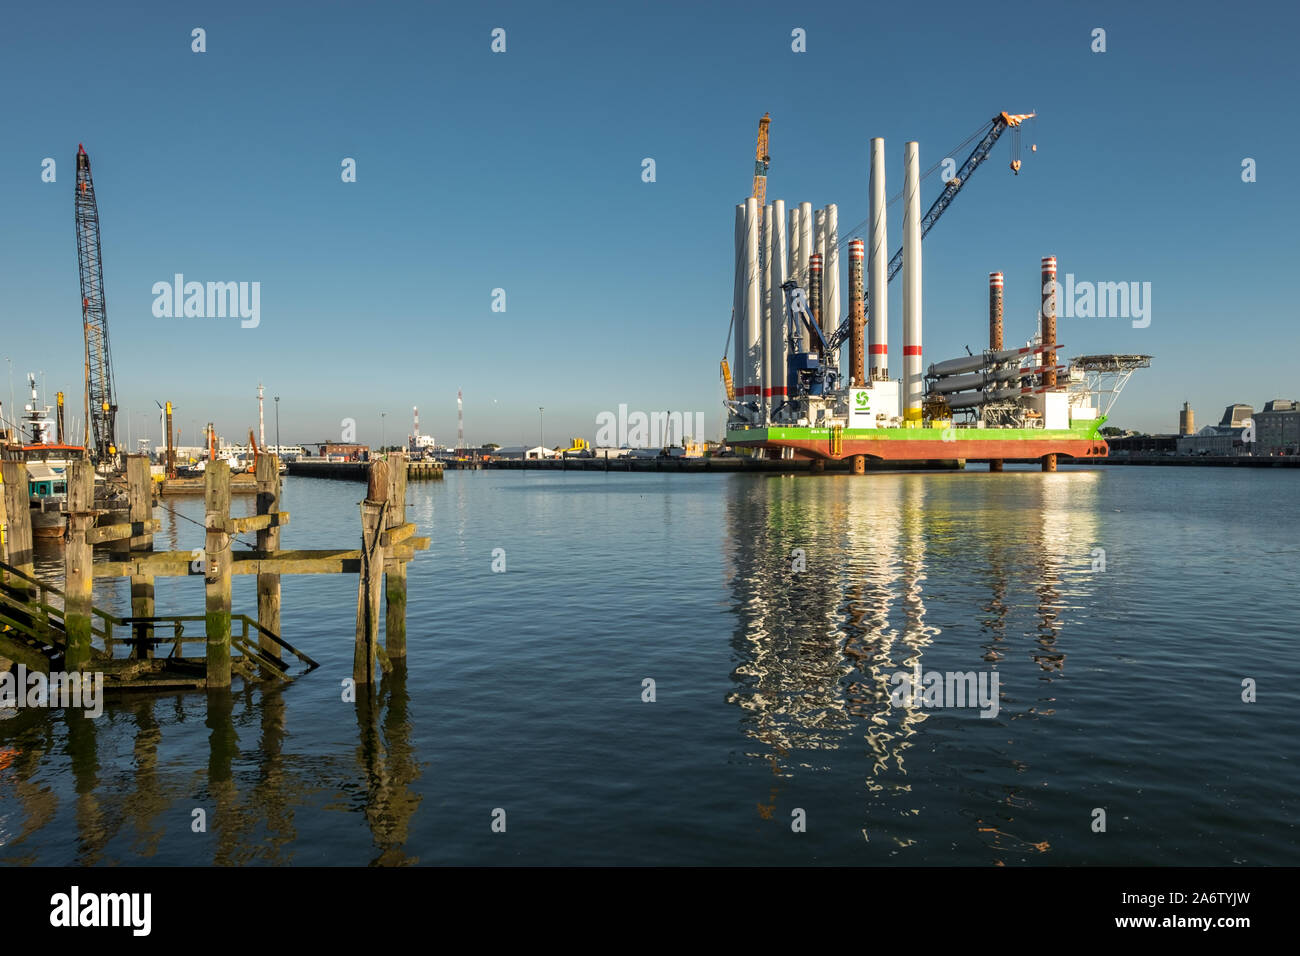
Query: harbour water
(1121, 610)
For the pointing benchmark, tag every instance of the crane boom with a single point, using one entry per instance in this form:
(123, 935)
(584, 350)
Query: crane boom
(761, 162)
(101, 409)
(999, 124)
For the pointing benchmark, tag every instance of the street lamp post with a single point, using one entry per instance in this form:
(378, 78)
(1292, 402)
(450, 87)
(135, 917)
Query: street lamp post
(11, 389)
(541, 432)
(381, 432)
(277, 425)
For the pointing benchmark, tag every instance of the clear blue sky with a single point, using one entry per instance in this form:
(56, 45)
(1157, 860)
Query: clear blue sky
(522, 171)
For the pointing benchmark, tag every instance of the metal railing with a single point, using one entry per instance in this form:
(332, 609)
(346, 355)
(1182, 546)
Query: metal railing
(46, 623)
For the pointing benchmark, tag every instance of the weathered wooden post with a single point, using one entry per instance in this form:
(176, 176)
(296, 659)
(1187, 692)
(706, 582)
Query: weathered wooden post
(268, 539)
(18, 533)
(78, 573)
(372, 565)
(216, 571)
(4, 527)
(140, 497)
(395, 570)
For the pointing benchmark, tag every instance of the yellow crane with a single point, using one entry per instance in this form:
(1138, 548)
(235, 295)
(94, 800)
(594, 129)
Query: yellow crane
(761, 162)
(1013, 121)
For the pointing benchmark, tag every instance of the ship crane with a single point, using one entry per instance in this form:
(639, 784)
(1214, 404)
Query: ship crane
(811, 371)
(997, 126)
(101, 408)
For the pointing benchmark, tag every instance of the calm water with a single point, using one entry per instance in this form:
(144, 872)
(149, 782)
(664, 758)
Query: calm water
(1119, 689)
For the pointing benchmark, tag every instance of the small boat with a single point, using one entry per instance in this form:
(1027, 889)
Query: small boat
(47, 487)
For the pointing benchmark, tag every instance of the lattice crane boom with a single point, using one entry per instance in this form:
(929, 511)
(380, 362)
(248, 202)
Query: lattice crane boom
(101, 407)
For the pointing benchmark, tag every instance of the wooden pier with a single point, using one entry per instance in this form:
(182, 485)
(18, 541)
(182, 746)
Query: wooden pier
(74, 635)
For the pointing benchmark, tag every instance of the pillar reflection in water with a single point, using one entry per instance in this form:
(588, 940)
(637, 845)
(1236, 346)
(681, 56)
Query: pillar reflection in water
(386, 758)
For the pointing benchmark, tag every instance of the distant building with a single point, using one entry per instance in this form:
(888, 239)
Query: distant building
(341, 451)
(1215, 440)
(1186, 420)
(1277, 428)
(1143, 445)
(521, 452)
(1236, 416)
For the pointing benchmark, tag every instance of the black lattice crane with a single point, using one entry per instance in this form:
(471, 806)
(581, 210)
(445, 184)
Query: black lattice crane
(101, 409)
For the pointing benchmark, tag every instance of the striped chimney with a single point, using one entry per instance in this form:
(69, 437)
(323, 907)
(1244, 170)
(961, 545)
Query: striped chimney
(995, 310)
(858, 319)
(1049, 320)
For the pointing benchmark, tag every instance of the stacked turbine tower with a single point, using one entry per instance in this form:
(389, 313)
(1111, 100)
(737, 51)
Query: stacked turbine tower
(802, 244)
(771, 248)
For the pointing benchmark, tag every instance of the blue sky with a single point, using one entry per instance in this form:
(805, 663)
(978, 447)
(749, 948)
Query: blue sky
(522, 171)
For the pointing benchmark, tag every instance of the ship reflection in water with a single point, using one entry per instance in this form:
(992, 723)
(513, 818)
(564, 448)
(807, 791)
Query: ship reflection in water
(832, 580)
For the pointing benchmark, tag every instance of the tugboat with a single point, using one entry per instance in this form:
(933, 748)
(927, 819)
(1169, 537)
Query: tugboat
(47, 460)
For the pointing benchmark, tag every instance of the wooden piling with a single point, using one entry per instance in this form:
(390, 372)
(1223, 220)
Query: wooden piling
(78, 573)
(139, 491)
(395, 570)
(372, 563)
(268, 540)
(140, 503)
(18, 511)
(216, 569)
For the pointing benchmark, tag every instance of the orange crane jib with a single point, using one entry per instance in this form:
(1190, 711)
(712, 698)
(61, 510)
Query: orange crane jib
(761, 162)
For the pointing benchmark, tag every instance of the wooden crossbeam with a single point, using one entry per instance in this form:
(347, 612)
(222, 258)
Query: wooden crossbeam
(397, 535)
(165, 564)
(257, 522)
(116, 532)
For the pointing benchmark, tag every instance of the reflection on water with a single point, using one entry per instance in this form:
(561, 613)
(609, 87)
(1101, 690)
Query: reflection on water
(247, 815)
(773, 613)
(818, 640)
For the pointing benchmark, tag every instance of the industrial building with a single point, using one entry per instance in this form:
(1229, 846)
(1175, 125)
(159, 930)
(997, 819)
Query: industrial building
(1215, 441)
(1124, 445)
(1236, 415)
(523, 452)
(343, 451)
(1277, 428)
